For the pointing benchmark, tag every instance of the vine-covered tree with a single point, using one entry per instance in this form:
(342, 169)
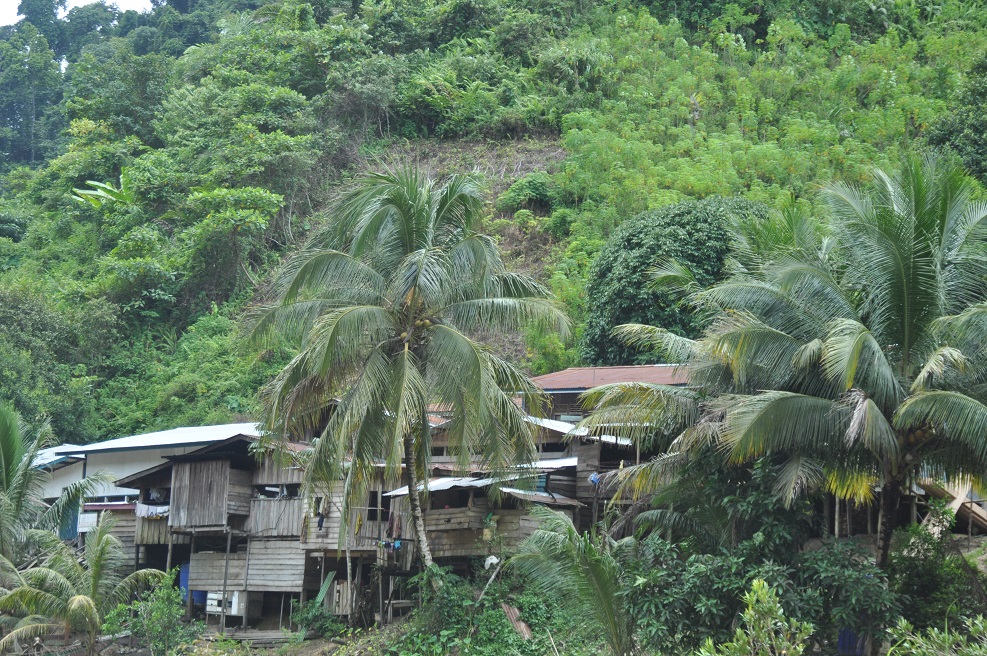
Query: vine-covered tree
(691, 232)
(964, 128)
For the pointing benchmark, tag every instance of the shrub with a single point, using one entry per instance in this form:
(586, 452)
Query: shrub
(766, 631)
(842, 588)
(313, 616)
(934, 586)
(156, 620)
(535, 192)
(619, 290)
(907, 641)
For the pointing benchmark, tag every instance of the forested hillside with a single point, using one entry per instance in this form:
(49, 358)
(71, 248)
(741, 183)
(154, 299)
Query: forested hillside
(157, 167)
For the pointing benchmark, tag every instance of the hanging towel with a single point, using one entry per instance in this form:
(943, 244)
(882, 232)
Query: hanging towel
(150, 512)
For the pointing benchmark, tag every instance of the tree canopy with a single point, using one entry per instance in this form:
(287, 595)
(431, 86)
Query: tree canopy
(235, 123)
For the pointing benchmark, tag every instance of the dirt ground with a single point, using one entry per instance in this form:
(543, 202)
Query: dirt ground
(975, 548)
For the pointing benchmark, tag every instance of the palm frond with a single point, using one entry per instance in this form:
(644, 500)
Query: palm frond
(852, 358)
(558, 560)
(953, 415)
(642, 412)
(780, 422)
(25, 634)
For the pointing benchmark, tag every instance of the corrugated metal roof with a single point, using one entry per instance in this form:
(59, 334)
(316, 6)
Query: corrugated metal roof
(445, 483)
(187, 436)
(547, 498)
(577, 379)
(581, 432)
(53, 456)
(450, 482)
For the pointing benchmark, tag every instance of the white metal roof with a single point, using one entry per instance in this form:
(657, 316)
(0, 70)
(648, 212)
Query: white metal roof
(566, 428)
(186, 436)
(52, 455)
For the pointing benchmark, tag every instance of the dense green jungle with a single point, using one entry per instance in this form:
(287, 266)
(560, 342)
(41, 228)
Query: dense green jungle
(156, 167)
(158, 170)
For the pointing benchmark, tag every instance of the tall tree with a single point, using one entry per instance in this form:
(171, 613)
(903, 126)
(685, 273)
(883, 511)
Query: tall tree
(43, 15)
(30, 82)
(963, 129)
(692, 232)
(861, 361)
(385, 310)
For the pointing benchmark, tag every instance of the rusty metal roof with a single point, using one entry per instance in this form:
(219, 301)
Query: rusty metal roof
(578, 379)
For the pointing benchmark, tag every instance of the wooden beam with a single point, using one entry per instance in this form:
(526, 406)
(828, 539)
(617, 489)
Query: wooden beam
(168, 564)
(226, 573)
(190, 606)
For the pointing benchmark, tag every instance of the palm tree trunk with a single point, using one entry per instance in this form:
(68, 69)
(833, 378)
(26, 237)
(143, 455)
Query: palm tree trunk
(890, 497)
(411, 475)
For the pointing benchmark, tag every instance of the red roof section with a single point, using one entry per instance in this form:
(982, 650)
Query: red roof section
(583, 378)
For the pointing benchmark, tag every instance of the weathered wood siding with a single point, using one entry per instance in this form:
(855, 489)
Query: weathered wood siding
(511, 526)
(240, 491)
(456, 519)
(564, 485)
(155, 531)
(361, 534)
(199, 493)
(275, 566)
(206, 571)
(589, 462)
(124, 526)
(271, 473)
(275, 518)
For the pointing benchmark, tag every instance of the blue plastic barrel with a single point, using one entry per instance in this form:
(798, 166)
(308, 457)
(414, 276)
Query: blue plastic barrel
(198, 596)
(850, 644)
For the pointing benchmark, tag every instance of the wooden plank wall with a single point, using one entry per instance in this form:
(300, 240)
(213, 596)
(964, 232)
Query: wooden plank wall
(155, 531)
(275, 566)
(457, 519)
(199, 493)
(362, 533)
(124, 527)
(512, 526)
(275, 518)
(588, 454)
(271, 473)
(206, 571)
(562, 484)
(240, 490)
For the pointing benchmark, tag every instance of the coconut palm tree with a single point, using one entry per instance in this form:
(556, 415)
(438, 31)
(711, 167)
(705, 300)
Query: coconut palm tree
(21, 481)
(861, 361)
(386, 307)
(69, 595)
(584, 570)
